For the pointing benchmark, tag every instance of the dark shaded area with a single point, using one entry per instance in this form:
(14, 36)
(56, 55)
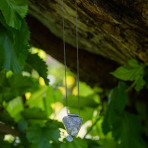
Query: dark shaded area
(118, 9)
(94, 69)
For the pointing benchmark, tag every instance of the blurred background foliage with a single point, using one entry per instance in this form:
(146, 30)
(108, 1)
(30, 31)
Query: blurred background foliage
(33, 103)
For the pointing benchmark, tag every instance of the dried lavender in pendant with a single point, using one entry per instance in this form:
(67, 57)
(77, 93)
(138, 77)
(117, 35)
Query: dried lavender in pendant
(72, 124)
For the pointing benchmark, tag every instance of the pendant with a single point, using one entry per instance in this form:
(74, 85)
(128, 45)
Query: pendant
(72, 123)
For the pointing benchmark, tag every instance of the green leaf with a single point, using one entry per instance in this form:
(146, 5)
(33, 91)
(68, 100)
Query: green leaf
(131, 73)
(35, 62)
(13, 11)
(27, 84)
(76, 143)
(12, 84)
(5, 117)
(15, 107)
(85, 90)
(48, 100)
(34, 113)
(108, 143)
(117, 102)
(22, 125)
(36, 99)
(139, 84)
(57, 95)
(40, 137)
(2, 78)
(93, 143)
(43, 98)
(127, 129)
(141, 108)
(133, 63)
(13, 45)
(84, 101)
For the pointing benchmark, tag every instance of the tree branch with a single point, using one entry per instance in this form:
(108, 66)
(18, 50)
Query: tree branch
(117, 30)
(5, 129)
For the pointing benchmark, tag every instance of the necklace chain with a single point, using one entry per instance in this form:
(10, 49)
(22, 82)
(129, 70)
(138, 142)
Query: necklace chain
(65, 55)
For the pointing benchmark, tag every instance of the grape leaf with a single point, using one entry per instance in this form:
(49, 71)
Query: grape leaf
(34, 113)
(108, 143)
(35, 62)
(40, 136)
(13, 11)
(139, 84)
(117, 101)
(12, 84)
(13, 45)
(127, 129)
(133, 72)
(22, 125)
(27, 84)
(129, 73)
(93, 144)
(15, 107)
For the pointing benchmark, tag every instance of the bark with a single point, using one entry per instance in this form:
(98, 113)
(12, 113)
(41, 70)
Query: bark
(108, 29)
(7, 130)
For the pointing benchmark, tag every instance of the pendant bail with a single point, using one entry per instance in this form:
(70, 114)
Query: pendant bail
(73, 115)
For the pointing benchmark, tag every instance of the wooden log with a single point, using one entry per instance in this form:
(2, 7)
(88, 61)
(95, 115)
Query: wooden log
(115, 30)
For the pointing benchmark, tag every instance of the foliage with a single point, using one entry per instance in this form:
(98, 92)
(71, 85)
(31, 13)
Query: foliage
(39, 136)
(79, 143)
(14, 35)
(116, 105)
(133, 72)
(124, 124)
(13, 45)
(120, 122)
(33, 61)
(30, 105)
(13, 11)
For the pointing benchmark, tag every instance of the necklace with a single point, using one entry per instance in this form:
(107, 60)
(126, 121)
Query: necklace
(72, 122)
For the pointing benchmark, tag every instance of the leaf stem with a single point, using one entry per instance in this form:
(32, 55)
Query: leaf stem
(130, 87)
(92, 127)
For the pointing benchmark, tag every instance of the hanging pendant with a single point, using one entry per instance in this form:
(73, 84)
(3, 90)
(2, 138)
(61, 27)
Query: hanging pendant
(72, 123)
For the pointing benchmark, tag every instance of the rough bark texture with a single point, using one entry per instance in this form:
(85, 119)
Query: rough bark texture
(116, 30)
